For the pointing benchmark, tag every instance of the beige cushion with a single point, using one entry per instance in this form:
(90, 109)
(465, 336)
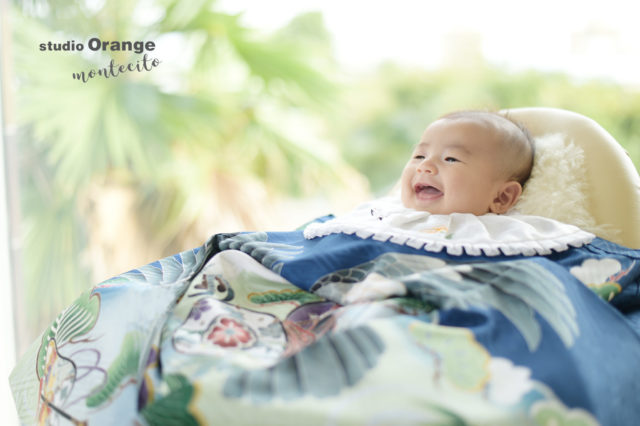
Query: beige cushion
(613, 183)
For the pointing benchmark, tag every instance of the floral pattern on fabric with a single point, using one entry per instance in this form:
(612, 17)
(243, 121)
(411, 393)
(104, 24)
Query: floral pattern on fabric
(260, 327)
(602, 276)
(229, 333)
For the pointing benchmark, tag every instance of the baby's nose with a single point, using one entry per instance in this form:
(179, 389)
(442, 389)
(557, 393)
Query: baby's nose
(426, 166)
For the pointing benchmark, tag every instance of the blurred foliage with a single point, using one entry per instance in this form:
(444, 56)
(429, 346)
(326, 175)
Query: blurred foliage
(225, 109)
(391, 107)
(231, 104)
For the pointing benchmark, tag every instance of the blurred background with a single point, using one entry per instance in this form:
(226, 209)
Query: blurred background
(260, 116)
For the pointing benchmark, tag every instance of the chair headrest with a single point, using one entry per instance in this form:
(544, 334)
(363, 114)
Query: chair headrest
(613, 182)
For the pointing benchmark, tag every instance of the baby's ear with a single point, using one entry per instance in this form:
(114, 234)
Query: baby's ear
(506, 198)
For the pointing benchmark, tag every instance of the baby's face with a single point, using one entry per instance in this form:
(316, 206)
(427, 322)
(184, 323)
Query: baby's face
(454, 169)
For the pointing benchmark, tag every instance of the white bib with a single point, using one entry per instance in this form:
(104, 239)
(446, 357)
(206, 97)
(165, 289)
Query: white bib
(386, 219)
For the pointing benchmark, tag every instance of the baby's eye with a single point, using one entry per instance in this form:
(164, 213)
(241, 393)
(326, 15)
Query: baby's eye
(418, 157)
(451, 160)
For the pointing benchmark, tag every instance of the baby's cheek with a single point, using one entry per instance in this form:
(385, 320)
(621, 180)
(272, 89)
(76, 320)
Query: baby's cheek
(407, 172)
(405, 195)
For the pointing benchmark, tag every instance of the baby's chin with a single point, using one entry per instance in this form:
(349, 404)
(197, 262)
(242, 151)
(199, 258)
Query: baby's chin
(428, 209)
(439, 210)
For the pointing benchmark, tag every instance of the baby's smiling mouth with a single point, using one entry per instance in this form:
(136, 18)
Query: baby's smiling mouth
(427, 192)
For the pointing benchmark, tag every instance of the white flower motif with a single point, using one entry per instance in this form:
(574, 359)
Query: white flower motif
(508, 383)
(596, 271)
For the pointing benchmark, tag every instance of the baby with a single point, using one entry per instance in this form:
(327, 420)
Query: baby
(468, 162)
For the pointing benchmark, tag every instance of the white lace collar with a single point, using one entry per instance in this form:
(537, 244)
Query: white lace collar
(386, 219)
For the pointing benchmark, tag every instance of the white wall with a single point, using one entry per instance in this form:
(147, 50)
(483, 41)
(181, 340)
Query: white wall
(7, 338)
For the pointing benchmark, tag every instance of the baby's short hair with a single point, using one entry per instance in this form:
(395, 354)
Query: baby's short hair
(517, 141)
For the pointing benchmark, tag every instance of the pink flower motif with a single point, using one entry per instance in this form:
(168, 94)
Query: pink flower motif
(230, 333)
